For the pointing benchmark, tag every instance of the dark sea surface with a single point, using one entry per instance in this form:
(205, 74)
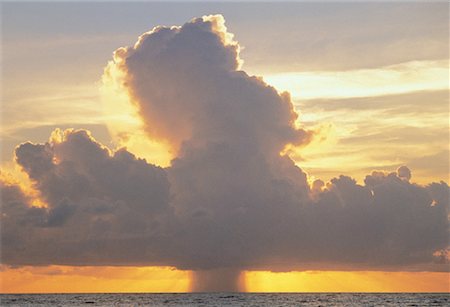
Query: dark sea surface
(228, 299)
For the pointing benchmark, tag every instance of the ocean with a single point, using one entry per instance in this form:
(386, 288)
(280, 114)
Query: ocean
(228, 299)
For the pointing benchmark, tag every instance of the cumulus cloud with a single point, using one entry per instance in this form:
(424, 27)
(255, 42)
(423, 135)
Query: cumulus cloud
(186, 84)
(230, 198)
(100, 204)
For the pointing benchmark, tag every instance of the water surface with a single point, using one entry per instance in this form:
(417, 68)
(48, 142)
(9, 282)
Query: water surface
(228, 299)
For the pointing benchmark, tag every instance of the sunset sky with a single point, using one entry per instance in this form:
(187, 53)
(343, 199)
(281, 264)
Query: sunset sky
(233, 184)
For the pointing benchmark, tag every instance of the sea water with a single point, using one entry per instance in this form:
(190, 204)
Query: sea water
(228, 299)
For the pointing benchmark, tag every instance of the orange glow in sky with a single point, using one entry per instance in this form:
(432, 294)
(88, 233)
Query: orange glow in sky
(349, 281)
(70, 279)
(66, 279)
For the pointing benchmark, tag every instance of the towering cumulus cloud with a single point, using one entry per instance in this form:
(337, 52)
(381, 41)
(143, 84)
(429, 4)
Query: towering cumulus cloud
(230, 200)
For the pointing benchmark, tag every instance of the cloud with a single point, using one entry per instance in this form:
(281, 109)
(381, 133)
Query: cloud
(97, 202)
(230, 198)
(186, 84)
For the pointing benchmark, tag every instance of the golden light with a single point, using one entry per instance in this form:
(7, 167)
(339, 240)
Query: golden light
(90, 279)
(347, 281)
(395, 79)
(124, 123)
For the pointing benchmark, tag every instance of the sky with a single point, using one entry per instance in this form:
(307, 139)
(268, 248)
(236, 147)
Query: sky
(350, 168)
